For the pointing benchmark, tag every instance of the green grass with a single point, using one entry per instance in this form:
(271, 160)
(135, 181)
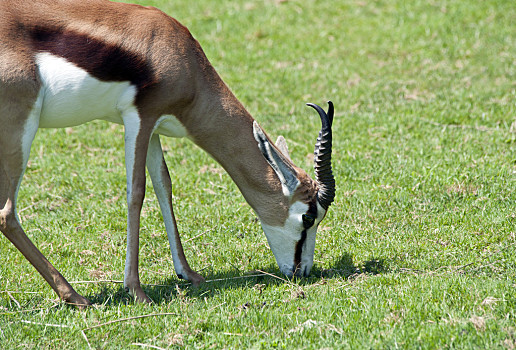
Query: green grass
(418, 251)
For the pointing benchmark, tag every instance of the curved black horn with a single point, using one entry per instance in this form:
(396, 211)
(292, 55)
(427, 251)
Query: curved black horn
(322, 157)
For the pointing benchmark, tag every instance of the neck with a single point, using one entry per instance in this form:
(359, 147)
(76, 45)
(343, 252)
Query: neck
(219, 124)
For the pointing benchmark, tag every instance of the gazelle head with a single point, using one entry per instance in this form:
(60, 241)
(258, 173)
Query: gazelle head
(293, 243)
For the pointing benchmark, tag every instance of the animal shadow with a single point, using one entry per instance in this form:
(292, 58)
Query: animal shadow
(345, 267)
(172, 288)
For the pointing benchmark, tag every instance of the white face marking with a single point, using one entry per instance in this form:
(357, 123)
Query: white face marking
(284, 239)
(71, 96)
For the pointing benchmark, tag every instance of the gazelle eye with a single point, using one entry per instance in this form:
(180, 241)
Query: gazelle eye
(308, 221)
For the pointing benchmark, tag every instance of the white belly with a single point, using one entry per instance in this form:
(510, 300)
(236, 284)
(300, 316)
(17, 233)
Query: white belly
(70, 96)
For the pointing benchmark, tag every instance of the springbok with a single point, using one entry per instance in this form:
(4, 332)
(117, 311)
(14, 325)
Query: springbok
(67, 62)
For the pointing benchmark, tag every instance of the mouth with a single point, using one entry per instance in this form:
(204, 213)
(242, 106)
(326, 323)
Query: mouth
(302, 272)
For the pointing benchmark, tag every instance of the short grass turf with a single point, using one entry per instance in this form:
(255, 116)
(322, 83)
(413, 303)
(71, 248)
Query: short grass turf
(418, 250)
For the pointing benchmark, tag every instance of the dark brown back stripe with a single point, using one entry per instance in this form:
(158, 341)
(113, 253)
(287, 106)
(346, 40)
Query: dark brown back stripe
(102, 60)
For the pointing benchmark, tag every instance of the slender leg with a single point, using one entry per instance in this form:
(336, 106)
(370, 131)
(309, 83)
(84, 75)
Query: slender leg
(163, 187)
(14, 153)
(137, 138)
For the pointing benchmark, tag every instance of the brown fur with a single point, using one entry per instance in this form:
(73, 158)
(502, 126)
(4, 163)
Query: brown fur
(123, 42)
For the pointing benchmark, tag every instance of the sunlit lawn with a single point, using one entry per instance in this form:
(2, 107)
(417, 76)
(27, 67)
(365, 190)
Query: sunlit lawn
(418, 250)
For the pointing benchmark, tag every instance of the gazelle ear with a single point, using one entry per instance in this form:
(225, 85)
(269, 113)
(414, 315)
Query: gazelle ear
(278, 162)
(281, 144)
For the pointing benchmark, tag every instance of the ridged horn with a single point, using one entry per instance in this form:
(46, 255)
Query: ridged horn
(322, 157)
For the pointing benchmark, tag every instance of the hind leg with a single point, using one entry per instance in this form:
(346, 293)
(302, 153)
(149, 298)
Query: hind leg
(163, 188)
(16, 135)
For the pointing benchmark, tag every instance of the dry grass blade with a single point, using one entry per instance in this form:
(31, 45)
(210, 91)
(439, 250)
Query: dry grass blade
(277, 277)
(147, 346)
(97, 281)
(29, 310)
(46, 324)
(14, 299)
(86, 338)
(130, 318)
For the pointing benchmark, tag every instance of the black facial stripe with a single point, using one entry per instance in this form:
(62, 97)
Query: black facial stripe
(312, 208)
(299, 249)
(308, 221)
(312, 211)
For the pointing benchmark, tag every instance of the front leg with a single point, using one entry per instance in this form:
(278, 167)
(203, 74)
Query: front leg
(137, 137)
(163, 187)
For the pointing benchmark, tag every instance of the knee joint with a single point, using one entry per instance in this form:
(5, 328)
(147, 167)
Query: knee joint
(8, 220)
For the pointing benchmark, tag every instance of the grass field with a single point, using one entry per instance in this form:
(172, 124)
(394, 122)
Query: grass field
(418, 250)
